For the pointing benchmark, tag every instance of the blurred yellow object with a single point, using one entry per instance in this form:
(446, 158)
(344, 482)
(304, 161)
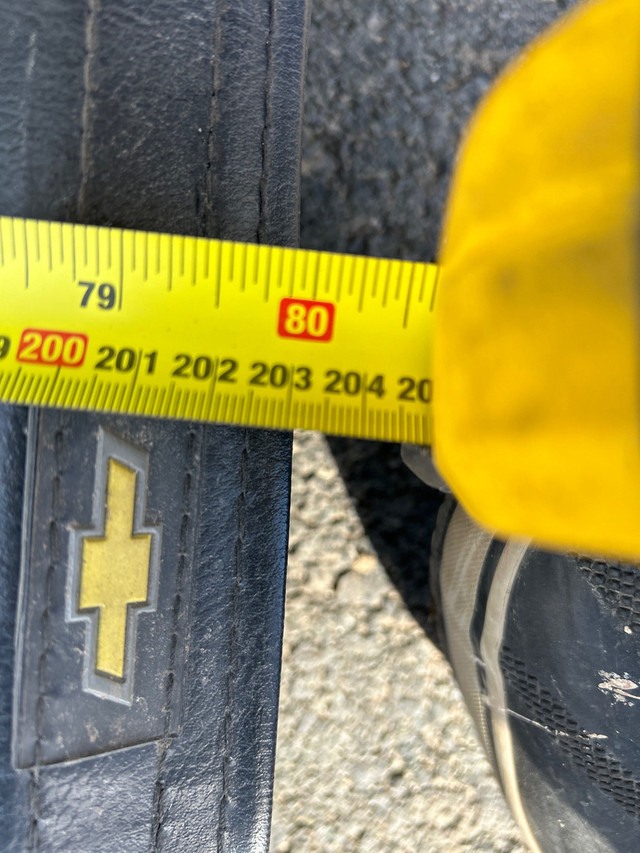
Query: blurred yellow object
(537, 403)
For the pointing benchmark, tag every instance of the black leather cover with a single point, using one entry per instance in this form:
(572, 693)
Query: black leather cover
(182, 117)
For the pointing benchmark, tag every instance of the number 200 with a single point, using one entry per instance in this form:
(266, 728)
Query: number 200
(57, 349)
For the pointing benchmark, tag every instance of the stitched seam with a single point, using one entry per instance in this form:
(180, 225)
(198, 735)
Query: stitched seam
(238, 565)
(91, 52)
(207, 207)
(167, 738)
(263, 196)
(45, 630)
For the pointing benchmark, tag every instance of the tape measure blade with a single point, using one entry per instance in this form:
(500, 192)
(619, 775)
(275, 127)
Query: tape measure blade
(181, 327)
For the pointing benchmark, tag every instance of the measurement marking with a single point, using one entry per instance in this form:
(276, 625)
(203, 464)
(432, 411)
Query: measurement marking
(267, 278)
(363, 410)
(292, 276)
(293, 416)
(401, 272)
(352, 275)
(133, 250)
(109, 241)
(232, 259)
(172, 388)
(316, 277)
(289, 394)
(13, 240)
(212, 388)
(26, 255)
(36, 391)
(278, 415)
(423, 282)
(154, 405)
(115, 388)
(109, 404)
(186, 397)
(170, 283)
(88, 387)
(347, 421)
(134, 378)
(271, 413)
(241, 401)
(409, 429)
(435, 288)
(86, 248)
(121, 288)
(408, 304)
(136, 400)
(24, 389)
(374, 290)
(101, 395)
(303, 273)
(79, 386)
(176, 401)
(232, 413)
(219, 275)
(198, 397)
(362, 288)
(145, 260)
(182, 239)
(218, 403)
(385, 426)
(50, 247)
(6, 383)
(341, 259)
(60, 231)
(224, 405)
(387, 281)
(53, 385)
(73, 252)
(1, 245)
(207, 252)
(18, 389)
(144, 403)
(244, 261)
(72, 383)
(97, 252)
(394, 426)
(64, 401)
(327, 280)
(36, 228)
(249, 405)
(97, 392)
(158, 253)
(326, 408)
(418, 431)
(56, 400)
(194, 266)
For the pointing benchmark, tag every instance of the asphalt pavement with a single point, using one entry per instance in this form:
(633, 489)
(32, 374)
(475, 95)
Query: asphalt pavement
(375, 749)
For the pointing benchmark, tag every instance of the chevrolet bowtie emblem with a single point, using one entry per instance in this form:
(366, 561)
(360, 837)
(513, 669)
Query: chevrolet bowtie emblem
(114, 569)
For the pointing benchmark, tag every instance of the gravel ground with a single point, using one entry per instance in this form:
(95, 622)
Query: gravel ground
(376, 751)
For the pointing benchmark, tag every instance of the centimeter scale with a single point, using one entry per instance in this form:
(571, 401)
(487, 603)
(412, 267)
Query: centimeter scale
(179, 327)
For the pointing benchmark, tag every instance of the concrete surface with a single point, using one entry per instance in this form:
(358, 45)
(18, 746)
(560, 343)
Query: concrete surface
(376, 751)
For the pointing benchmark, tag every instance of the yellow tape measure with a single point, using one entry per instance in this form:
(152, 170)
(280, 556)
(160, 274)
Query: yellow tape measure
(179, 327)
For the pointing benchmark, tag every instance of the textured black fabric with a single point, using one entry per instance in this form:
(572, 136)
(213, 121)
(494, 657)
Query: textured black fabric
(181, 117)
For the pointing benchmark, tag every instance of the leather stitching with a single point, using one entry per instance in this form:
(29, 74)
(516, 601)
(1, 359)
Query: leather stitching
(45, 626)
(91, 48)
(268, 85)
(167, 738)
(238, 572)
